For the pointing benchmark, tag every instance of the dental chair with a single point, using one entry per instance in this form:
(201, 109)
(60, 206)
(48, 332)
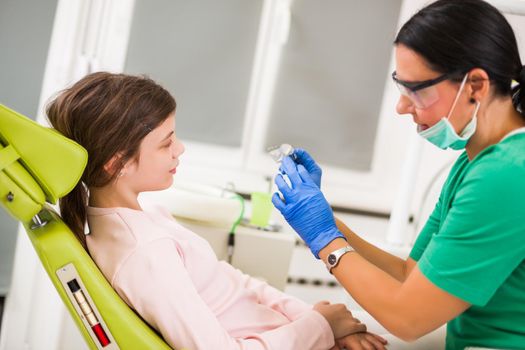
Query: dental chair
(37, 167)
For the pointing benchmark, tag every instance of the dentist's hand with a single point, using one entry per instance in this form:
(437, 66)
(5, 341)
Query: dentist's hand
(305, 207)
(305, 159)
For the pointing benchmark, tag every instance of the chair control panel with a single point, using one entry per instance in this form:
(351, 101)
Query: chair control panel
(85, 308)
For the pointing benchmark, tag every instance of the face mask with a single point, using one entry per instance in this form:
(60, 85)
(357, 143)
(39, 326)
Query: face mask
(443, 135)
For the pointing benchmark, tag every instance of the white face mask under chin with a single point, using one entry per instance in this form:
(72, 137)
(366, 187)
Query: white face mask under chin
(443, 135)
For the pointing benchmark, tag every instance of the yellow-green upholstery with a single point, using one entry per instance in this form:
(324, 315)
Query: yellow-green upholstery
(39, 165)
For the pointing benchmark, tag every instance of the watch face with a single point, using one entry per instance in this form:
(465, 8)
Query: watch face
(331, 259)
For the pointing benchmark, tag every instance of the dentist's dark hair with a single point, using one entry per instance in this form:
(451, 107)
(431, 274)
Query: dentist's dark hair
(459, 35)
(108, 114)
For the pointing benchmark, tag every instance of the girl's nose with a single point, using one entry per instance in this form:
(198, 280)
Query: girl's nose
(178, 149)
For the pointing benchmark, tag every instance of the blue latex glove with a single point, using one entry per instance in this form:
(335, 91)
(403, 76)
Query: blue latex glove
(305, 208)
(304, 158)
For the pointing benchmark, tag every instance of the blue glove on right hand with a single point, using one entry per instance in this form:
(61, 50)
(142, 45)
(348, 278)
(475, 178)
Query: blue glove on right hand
(305, 208)
(304, 158)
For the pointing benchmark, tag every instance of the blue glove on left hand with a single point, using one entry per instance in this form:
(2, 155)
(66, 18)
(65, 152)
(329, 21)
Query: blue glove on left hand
(305, 207)
(304, 158)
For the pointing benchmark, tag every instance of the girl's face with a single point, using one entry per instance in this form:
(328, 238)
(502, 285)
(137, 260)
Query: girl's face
(412, 68)
(158, 159)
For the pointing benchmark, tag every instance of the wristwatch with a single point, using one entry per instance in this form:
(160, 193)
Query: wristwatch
(333, 258)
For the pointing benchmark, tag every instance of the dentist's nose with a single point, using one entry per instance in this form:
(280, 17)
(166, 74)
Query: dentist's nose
(405, 105)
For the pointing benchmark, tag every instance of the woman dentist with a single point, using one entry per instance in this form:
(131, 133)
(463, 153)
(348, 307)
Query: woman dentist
(455, 64)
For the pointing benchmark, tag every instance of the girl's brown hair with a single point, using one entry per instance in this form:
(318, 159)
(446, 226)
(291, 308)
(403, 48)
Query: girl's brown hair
(108, 114)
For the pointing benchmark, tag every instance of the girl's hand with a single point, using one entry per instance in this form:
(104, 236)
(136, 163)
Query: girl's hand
(340, 319)
(361, 341)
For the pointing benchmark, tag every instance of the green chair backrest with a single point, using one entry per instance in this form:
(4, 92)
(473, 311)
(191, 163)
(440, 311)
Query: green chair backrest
(39, 165)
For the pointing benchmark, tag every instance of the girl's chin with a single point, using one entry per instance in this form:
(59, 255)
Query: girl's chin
(167, 184)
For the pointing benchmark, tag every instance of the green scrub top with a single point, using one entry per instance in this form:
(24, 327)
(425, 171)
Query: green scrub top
(473, 246)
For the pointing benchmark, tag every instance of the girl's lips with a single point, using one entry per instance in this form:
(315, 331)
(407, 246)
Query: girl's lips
(173, 171)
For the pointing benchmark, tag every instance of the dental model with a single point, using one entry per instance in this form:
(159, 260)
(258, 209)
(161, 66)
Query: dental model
(279, 152)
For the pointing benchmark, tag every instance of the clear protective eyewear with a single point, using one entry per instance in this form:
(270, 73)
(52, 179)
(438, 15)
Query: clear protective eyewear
(423, 94)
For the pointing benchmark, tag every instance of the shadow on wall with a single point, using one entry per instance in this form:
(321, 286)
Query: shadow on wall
(1, 310)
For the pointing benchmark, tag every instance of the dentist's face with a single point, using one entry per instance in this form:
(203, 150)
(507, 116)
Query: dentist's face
(158, 159)
(413, 68)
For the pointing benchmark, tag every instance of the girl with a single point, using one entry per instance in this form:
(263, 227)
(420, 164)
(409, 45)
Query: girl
(168, 274)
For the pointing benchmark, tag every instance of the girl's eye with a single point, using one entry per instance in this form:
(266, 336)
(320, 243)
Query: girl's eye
(168, 144)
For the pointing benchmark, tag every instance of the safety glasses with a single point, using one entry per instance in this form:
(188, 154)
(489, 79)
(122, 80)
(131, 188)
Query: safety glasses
(423, 94)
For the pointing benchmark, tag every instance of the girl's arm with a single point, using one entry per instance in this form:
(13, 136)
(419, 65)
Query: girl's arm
(287, 305)
(155, 282)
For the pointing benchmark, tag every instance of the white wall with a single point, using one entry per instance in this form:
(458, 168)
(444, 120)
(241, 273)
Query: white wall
(21, 73)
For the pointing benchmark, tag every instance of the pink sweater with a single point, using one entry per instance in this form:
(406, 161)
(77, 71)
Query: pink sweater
(173, 279)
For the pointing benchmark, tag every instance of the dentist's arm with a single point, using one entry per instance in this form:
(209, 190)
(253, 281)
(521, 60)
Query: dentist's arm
(407, 309)
(391, 264)
(396, 267)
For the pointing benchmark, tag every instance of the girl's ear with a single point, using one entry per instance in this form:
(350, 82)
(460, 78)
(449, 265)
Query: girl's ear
(113, 164)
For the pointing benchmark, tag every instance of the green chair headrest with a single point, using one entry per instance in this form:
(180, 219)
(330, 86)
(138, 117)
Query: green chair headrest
(37, 164)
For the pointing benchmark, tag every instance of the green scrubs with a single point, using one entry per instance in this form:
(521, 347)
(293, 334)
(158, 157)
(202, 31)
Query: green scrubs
(473, 246)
